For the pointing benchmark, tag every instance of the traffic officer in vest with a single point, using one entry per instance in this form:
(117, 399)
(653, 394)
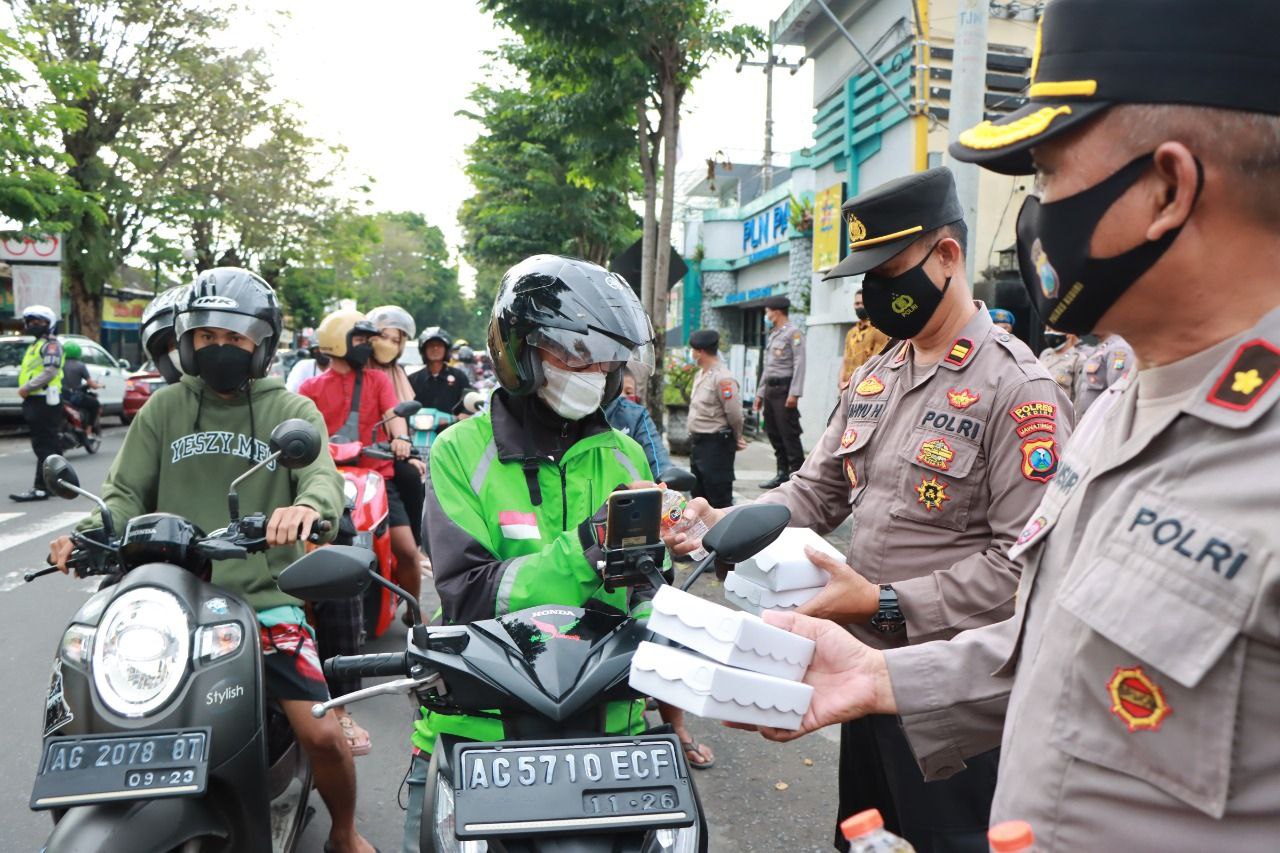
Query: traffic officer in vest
(715, 421)
(1062, 358)
(940, 448)
(40, 387)
(861, 342)
(514, 493)
(1136, 690)
(1105, 365)
(781, 384)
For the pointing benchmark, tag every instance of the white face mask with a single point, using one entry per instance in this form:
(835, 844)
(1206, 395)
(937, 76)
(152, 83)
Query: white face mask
(172, 355)
(571, 395)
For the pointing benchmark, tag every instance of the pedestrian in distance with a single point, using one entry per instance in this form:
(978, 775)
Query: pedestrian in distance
(781, 384)
(627, 415)
(715, 421)
(40, 387)
(1003, 319)
(940, 448)
(76, 383)
(1105, 365)
(1062, 358)
(1136, 690)
(861, 342)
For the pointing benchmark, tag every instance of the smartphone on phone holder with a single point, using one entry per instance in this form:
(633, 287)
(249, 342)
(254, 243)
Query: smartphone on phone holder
(632, 543)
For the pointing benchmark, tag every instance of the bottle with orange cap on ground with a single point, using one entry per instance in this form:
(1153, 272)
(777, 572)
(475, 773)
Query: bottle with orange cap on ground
(1011, 836)
(866, 834)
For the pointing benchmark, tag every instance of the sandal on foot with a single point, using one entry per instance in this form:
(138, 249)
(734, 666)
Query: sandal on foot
(693, 754)
(357, 738)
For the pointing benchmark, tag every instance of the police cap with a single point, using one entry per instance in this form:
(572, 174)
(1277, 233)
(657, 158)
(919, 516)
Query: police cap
(778, 302)
(707, 340)
(1091, 54)
(883, 222)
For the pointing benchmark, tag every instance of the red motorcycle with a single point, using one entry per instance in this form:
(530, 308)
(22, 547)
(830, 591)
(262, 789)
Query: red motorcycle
(75, 432)
(366, 497)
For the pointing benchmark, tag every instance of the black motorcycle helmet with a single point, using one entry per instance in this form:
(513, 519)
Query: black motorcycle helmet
(236, 299)
(156, 330)
(574, 309)
(429, 334)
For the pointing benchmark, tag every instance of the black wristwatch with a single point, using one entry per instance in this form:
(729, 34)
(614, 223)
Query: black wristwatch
(888, 618)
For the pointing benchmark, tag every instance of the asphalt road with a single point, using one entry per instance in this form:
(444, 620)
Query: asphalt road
(760, 796)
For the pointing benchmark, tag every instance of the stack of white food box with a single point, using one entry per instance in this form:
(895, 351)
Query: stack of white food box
(780, 577)
(734, 666)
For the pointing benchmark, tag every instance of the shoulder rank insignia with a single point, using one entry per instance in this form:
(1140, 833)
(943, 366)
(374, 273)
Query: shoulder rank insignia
(1247, 378)
(932, 493)
(869, 387)
(962, 398)
(1137, 700)
(959, 352)
(1039, 459)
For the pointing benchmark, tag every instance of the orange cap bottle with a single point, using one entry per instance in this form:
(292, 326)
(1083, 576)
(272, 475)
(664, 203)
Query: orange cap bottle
(863, 823)
(1011, 836)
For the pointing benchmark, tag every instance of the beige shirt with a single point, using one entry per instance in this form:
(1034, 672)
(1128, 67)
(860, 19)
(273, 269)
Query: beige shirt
(1138, 684)
(715, 402)
(1100, 369)
(861, 343)
(940, 466)
(784, 357)
(1063, 364)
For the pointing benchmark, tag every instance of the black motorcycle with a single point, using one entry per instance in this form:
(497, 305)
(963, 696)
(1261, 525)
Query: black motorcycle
(156, 732)
(557, 782)
(76, 431)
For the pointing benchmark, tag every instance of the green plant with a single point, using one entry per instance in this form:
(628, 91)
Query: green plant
(679, 374)
(801, 219)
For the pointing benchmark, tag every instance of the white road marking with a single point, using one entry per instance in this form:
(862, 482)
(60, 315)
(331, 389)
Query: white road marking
(44, 526)
(5, 516)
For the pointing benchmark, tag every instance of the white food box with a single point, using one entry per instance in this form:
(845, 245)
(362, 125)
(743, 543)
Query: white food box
(783, 566)
(715, 691)
(752, 597)
(729, 636)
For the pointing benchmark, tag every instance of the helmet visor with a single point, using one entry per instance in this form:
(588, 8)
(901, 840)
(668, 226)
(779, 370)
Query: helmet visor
(252, 328)
(578, 349)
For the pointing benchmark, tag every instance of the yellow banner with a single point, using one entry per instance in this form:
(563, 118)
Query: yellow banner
(122, 313)
(828, 235)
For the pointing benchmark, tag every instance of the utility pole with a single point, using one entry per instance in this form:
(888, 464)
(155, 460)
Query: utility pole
(771, 62)
(968, 104)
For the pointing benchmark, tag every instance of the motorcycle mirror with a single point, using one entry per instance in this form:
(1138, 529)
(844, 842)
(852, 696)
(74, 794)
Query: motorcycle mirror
(58, 474)
(680, 479)
(329, 573)
(407, 408)
(744, 532)
(297, 441)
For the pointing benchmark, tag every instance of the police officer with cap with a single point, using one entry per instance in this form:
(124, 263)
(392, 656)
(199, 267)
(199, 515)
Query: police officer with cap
(781, 384)
(715, 421)
(1136, 690)
(939, 449)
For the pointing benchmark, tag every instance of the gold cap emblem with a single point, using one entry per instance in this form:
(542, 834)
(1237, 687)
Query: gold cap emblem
(857, 231)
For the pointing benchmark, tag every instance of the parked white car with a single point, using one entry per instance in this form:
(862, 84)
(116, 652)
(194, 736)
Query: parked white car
(105, 369)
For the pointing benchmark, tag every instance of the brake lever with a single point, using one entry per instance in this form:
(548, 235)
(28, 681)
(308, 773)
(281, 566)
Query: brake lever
(400, 685)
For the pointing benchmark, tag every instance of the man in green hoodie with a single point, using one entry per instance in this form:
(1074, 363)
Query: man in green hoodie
(181, 454)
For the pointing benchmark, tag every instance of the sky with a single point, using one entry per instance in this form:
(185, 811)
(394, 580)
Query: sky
(385, 78)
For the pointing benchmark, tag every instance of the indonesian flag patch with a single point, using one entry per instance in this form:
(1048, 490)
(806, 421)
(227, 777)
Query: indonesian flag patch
(518, 525)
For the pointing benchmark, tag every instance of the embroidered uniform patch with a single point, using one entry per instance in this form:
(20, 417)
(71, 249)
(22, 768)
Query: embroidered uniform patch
(1247, 378)
(1033, 527)
(962, 398)
(869, 387)
(726, 389)
(936, 453)
(1033, 409)
(1039, 459)
(1118, 362)
(932, 493)
(518, 525)
(849, 437)
(851, 472)
(1137, 700)
(959, 352)
(796, 339)
(1029, 427)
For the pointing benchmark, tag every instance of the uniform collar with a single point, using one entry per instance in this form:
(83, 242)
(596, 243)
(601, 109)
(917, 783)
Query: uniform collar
(963, 349)
(1245, 384)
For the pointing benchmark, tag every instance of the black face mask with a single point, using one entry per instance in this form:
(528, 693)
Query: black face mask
(223, 367)
(320, 358)
(37, 329)
(1070, 289)
(860, 313)
(902, 305)
(358, 356)
(1054, 339)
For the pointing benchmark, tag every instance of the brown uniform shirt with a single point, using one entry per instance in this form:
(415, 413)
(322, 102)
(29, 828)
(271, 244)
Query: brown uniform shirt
(715, 402)
(1063, 364)
(940, 467)
(784, 357)
(1138, 683)
(1100, 369)
(861, 343)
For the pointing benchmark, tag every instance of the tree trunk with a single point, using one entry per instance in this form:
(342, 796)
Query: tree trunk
(648, 242)
(87, 306)
(662, 251)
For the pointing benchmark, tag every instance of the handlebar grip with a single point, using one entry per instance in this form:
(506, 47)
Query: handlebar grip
(376, 453)
(320, 527)
(367, 666)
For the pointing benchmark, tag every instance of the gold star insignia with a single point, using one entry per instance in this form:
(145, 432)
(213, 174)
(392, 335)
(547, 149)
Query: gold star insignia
(1246, 381)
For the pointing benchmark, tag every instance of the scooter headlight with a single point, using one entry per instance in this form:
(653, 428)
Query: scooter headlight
(350, 492)
(372, 481)
(76, 643)
(684, 840)
(446, 841)
(141, 651)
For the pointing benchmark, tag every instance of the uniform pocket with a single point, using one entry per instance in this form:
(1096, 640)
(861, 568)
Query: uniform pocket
(940, 476)
(1153, 688)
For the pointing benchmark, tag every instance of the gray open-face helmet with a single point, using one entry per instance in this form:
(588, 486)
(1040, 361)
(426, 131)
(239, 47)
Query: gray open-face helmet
(234, 299)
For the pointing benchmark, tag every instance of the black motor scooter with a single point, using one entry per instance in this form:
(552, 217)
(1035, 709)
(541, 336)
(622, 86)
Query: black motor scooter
(157, 736)
(557, 782)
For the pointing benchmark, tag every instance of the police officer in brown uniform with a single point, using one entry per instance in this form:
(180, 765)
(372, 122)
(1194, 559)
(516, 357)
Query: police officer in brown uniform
(861, 342)
(781, 384)
(1103, 367)
(715, 421)
(1136, 690)
(940, 449)
(1062, 359)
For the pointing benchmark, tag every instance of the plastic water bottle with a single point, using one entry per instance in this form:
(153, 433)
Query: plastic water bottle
(866, 834)
(1011, 836)
(673, 505)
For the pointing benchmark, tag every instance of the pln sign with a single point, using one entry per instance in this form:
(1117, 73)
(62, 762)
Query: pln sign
(766, 229)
